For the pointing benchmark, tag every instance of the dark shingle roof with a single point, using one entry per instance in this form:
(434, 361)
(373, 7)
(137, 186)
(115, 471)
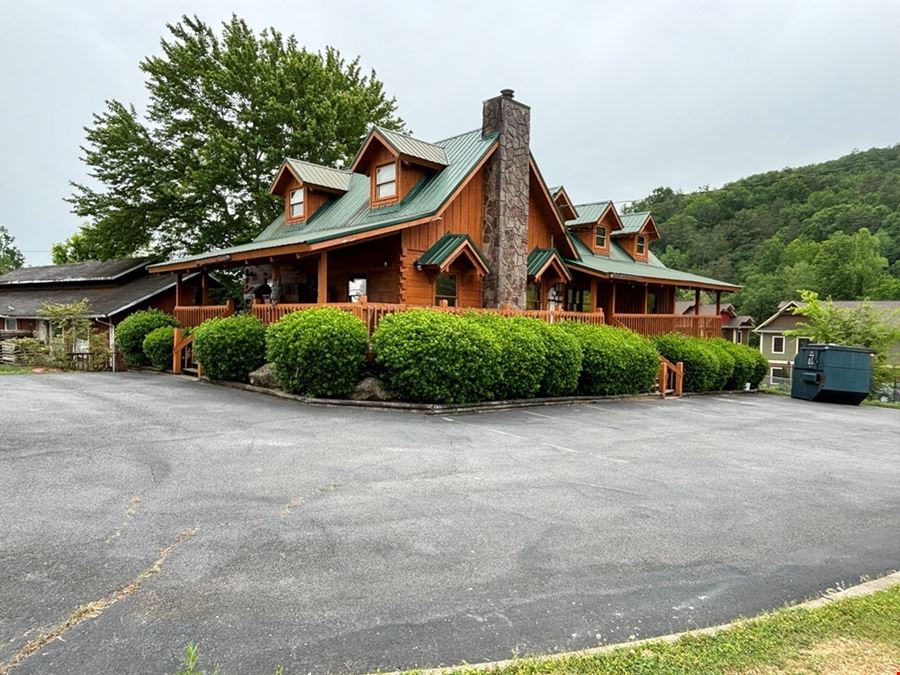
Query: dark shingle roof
(102, 271)
(104, 300)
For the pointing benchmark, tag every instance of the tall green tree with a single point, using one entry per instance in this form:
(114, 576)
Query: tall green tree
(224, 109)
(11, 257)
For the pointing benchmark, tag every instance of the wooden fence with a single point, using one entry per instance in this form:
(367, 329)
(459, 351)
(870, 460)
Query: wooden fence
(371, 313)
(191, 316)
(659, 324)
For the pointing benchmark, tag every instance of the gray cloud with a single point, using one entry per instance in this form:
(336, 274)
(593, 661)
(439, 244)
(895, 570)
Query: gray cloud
(625, 96)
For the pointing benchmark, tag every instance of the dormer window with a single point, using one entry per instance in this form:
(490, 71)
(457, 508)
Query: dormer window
(386, 181)
(641, 244)
(600, 237)
(296, 200)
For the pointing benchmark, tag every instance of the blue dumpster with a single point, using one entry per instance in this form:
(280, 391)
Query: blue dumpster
(832, 374)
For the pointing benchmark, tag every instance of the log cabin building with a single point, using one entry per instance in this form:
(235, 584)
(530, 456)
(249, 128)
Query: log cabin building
(467, 222)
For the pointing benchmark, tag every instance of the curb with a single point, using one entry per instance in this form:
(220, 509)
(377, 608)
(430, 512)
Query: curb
(858, 591)
(451, 409)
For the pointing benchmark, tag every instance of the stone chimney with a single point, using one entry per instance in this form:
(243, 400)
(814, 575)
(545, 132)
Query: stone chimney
(506, 201)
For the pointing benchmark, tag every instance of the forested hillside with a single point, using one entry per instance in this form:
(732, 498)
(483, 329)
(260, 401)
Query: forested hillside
(833, 228)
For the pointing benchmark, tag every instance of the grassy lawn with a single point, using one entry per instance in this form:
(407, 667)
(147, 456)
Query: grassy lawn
(854, 635)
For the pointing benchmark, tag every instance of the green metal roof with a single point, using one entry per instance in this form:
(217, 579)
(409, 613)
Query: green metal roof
(539, 257)
(588, 214)
(441, 250)
(413, 147)
(316, 174)
(619, 263)
(633, 222)
(351, 213)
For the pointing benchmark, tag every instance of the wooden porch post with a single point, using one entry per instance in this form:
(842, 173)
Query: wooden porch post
(593, 295)
(646, 298)
(178, 289)
(697, 301)
(612, 301)
(322, 288)
(718, 303)
(204, 285)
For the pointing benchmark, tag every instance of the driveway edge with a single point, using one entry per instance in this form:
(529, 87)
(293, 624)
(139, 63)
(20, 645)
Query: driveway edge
(858, 591)
(450, 409)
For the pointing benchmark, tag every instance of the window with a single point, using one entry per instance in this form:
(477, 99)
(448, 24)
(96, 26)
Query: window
(600, 236)
(445, 289)
(11, 324)
(777, 344)
(801, 343)
(297, 203)
(386, 181)
(738, 337)
(641, 244)
(777, 372)
(533, 296)
(356, 287)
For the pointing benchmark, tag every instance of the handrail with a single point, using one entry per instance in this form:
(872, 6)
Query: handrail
(670, 378)
(191, 316)
(659, 324)
(182, 352)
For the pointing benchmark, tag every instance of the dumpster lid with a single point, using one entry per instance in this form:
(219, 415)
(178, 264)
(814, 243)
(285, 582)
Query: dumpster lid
(843, 348)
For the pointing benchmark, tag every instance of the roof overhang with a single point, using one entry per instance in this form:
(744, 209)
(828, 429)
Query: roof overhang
(553, 263)
(636, 278)
(789, 305)
(552, 207)
(648, 228)
(436, 260)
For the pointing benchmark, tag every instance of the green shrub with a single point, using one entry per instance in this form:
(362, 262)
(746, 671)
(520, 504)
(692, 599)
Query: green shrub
(744, 364)
(29, 351)
(615, 360)
(701, 367)
(158, 347)
(564, 357)
(724, 361)
(318, 352)
(132, 330)
(230, 347)
(760, 368)
(437, 357)
(523, 356)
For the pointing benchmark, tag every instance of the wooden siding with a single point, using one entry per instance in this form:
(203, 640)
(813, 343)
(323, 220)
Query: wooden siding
(629, 243)
(464, 215)
(541, 219)
(312, 200)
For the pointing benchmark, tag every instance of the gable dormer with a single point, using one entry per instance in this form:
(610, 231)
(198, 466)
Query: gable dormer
(395, 163)
(565, 205)
(305, 187)
(639, 229)
(595, 225)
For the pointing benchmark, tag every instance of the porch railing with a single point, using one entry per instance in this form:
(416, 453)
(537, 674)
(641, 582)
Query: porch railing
(191, 316)
(671, 377)
(371, 313)
(659, 324)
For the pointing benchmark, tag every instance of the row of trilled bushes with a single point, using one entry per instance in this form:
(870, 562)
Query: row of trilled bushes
(435, 357)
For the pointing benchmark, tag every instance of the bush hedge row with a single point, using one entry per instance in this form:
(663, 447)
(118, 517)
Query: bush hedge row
(132, 330)
(438, 357)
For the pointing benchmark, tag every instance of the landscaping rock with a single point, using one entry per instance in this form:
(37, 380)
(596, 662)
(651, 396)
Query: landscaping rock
(371, 389)
(265, 377)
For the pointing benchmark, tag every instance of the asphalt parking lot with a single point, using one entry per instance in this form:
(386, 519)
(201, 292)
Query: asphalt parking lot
(344, 540)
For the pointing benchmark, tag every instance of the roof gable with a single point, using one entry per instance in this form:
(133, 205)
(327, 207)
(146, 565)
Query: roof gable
(638, 223)
(562, 239)
(317, 175)
(407, 147)
(448, 249)
(542, 259)
(591, 214)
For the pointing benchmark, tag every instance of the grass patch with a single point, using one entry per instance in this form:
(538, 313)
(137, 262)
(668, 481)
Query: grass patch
(875, 403)
(14, 370)
(846, 636)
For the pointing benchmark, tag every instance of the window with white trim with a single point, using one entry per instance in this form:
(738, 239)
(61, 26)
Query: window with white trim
(778, 344)
(641, 244)
(600, 236)
(386, 181)
(297, 205)
(10, 324)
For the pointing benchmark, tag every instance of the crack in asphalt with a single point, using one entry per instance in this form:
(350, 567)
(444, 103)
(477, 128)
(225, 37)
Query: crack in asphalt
(93, 609)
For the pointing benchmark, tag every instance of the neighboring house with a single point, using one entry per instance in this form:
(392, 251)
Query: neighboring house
(780, 349)
(113, 288)
(735, 327)
(467, 222)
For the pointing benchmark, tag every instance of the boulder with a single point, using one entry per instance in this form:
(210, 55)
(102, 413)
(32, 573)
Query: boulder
(265, 377)
(371, 389)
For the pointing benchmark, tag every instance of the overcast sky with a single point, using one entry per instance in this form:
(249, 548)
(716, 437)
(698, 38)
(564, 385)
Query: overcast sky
(625, 95)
